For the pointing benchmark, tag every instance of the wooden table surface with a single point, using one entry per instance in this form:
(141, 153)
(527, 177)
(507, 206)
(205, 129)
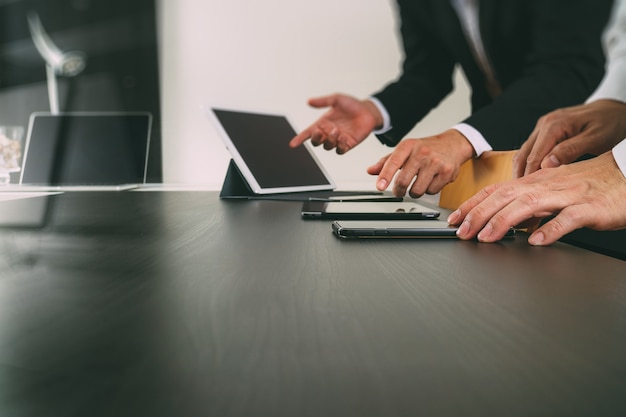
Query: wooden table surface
(180, 304)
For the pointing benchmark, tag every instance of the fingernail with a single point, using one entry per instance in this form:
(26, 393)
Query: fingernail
(552, 162)
(381, 184)
(454, 217)
(536, 239)
(463, 229)
(486, 233)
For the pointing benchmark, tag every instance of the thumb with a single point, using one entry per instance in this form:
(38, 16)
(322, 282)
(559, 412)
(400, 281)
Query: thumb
(565, 152)
(551, 161)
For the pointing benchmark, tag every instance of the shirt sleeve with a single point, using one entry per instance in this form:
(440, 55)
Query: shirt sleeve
(613, 85)
(619, 153)
(384, 113)
(475, 138)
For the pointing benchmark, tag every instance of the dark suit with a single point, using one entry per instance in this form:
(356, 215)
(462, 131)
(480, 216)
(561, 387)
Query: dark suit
(546, 54)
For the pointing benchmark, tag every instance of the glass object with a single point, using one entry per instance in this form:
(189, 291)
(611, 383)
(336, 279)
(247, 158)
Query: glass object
(10, 151)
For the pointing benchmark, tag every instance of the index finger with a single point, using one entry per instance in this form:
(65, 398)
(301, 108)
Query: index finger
(463, 210)
(392, 164)
(547, 138)
(519, 161)
(300, 138)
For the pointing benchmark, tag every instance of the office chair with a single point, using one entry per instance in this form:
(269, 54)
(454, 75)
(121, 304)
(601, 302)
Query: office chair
(492, 167)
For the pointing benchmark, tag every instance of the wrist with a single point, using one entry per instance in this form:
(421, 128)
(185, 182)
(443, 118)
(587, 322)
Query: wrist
(376, 115)
(462, 146)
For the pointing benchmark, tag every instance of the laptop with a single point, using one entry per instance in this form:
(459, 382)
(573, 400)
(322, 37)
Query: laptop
(258, 144)
(85, 151)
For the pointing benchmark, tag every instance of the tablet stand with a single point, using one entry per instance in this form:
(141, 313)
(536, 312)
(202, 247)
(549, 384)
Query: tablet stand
(235, 186)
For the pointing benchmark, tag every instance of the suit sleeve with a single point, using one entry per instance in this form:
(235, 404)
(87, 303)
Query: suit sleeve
(563, 66)
(426, 74)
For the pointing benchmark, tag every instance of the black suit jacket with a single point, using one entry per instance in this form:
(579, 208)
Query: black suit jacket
(546, 54)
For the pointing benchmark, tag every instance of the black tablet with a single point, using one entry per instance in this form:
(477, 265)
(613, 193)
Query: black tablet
(259, 145)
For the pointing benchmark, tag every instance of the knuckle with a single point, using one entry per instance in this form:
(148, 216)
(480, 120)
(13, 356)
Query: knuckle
(530, 199)
(568, 148)
(570, 218)
(394, 160)
(532, 203)
(504, 192)
(581, 188)
(570, 214)
(552, 117)
(404, 145)
(447, 171)
(490, 189)
(499, 220)
(399, 189)
(416, 190)
(413, 193)
(533, 158)
(556, 226)
(424, 151)
(477, 213)
(402, 181)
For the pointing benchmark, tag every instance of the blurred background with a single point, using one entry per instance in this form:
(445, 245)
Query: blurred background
(173, 57)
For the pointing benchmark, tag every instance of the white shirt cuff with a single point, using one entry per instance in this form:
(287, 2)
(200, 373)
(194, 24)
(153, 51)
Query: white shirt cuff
(384, 113)
(475, 138)
(619, 153)
(613, 85)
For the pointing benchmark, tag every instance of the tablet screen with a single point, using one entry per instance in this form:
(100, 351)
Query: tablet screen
(259, 145)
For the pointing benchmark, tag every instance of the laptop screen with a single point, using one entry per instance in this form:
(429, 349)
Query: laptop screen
(86, 149)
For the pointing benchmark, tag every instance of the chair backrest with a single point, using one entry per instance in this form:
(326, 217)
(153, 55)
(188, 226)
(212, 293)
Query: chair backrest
(492, 167)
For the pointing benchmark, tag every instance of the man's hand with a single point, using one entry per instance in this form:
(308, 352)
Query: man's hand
(564, 135)
(589, 193)
(346, 124)
(423, 165)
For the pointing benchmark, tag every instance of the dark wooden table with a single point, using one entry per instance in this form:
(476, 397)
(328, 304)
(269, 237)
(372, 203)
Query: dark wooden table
(179, 304)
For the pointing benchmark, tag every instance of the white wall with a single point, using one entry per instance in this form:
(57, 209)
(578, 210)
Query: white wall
(271, 56)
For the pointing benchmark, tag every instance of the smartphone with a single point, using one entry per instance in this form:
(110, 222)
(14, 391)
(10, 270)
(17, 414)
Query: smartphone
(397, 229)
(374, 210)
(360, 198)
